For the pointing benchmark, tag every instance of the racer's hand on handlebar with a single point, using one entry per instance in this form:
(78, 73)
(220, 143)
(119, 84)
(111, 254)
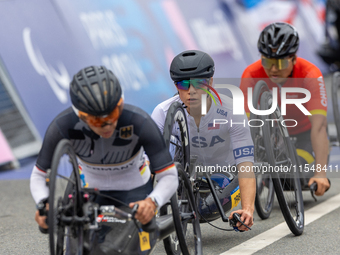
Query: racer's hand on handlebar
(246, 217)
(322, 184)
(146, 210)
(41, 219)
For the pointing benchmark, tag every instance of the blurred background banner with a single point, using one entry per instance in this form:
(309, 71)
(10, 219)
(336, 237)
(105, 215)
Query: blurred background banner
(44, 43)
(6, 154)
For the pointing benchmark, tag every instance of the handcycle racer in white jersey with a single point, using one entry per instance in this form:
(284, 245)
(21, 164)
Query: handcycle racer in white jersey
(109, 139)
(216, 145)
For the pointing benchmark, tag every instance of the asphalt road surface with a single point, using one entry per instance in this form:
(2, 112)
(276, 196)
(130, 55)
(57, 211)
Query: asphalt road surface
(19, 232)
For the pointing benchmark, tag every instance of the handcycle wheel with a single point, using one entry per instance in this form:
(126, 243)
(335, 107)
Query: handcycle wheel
(184, 210)
(183, 206)
(282, 158)
(260, 87)
(264, 197)
(335, 102)
(64, 200)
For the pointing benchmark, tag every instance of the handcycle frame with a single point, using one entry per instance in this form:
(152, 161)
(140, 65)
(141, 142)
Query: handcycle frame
(180, 149)
(74, 212)
(295, 224)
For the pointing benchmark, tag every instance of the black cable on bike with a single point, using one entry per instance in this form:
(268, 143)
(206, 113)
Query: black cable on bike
(223, 229)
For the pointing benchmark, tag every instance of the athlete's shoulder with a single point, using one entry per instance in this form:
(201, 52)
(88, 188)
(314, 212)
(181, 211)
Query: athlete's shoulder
(254, 70)
(62, 124)
(305, 69)
(65, 119)
(165, 105)
(133, 110)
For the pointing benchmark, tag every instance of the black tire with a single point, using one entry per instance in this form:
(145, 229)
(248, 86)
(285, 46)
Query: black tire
(335, 102)
(264, 198)
(281, 154)
(183, 206)
(260, 87)
(64, 200)
(179, 149)
(184, 211)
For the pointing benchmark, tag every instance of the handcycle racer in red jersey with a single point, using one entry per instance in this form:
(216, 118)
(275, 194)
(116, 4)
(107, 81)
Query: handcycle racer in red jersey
(110, 139)
(280, 67)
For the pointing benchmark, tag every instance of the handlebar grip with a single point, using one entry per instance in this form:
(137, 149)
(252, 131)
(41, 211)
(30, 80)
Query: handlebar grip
(41, 207)
(329, 181)
(237, 218)
(150, 226)
(313, 186)
(43, 230)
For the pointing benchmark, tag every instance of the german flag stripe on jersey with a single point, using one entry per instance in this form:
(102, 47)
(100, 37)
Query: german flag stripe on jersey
(141, 168)
(164, 169)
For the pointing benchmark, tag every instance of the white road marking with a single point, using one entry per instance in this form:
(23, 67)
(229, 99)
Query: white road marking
(270, 236)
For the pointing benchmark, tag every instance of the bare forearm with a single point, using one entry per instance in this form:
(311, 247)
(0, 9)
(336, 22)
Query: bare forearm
(247, 185)
(320, 146)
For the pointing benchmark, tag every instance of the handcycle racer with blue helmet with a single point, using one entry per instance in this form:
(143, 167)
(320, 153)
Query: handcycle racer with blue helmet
(109, 139)
(222, 145)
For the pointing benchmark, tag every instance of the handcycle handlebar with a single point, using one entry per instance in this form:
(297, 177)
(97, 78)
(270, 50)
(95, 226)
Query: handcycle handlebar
(116, 212)
(107, 210)
(41, 207)
(314, 186)
(237, 218)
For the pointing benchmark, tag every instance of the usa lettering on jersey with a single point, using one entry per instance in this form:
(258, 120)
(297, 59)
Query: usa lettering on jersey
(244, 152)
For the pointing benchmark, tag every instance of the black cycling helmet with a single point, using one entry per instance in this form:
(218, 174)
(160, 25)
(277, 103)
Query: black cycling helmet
(191, 64)
(95, 90)
(280, 36)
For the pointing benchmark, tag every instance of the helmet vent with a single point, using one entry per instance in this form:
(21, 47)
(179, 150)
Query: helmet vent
(189, 54)
(98, 96)
(90, 72)
(105, 93)
(79, 77)
(188, 69)
(90, 100)
(101, 70)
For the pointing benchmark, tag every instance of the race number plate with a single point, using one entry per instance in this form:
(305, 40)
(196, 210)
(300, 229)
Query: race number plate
(144, 241)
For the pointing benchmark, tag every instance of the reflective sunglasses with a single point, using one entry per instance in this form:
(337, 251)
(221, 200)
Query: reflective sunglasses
(281, 63)
(196, 83)
(99, 121)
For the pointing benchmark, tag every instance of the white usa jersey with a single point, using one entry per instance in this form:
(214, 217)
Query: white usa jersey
(220, 144)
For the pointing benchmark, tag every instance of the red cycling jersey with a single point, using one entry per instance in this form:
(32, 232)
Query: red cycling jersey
(304, 75)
